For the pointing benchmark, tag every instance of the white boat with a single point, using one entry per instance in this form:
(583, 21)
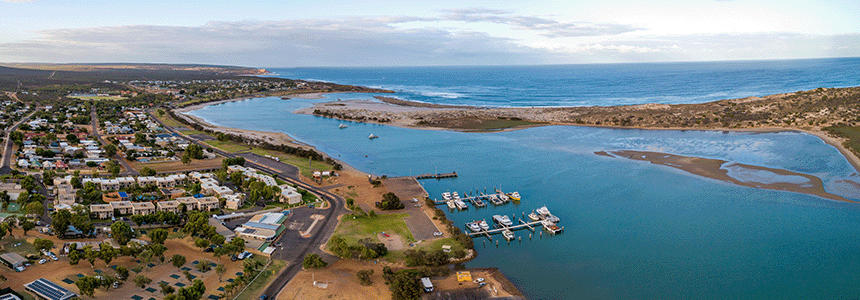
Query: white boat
(484, 225)
(503, 220)
(553, 219)
(534, 216)
(543, 211)
(473, 226)
(446, 196)
(460, 204)
(509, 235)
(342, 126)
(503, 197)
(372, 136)
(515, 196)
(551, 227)
(455, 195)
(451, 204)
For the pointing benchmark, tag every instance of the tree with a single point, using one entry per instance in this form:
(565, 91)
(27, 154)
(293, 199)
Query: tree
(203, 267)
(107, 253)
(158, 250)
(158, 235)
(314, 261)
(217, 239)
(27, 226)
(2, 230)
(122, 272)
(364, 277)
(141, 281)
(187, 275)
(186, 159)
(114, 168)
(220, 269)
(72, 139)
(403, 286)
(178, 260)
(121, 232)
(75, 255)
(110, 150)
(146, 171)
(43, 244)
(34, 208)
(238, 242)
(91, 256)
(87, 285)
(390, 201)
(166, 288)
(139, 138)
(201, 243)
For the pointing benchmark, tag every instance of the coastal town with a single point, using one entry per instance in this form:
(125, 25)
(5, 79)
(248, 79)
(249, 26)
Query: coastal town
(118, 178)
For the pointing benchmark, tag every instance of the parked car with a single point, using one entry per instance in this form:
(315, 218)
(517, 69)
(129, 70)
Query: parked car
(207, 249)
(20, 269)
(438, 233)
(479, 280)
(482, 284)
(263, 297)
(42, 261)
(233, 258)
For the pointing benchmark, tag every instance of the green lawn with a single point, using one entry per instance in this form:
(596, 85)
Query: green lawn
(262, 281)
(167, 120)
(433, 245)
(100, 98)
(300, 162)
(24, 248)
(353, 230)
(228, 146)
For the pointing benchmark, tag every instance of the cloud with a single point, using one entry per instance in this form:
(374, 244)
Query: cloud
(549, 27)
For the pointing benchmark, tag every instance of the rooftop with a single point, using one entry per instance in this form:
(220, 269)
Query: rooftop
(49, 290)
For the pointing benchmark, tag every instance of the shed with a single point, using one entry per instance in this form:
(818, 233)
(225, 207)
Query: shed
(13, 260)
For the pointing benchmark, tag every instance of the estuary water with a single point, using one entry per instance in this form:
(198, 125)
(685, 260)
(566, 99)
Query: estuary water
(633, 230)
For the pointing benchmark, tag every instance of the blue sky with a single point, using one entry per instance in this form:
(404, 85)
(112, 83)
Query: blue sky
(414, 33)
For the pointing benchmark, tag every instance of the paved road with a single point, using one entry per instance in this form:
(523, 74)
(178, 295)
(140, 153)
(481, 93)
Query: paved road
(7, 144)
(289, 170)
(295, 247)
(129, 171)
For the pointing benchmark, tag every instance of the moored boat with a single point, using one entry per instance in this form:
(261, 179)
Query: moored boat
(474, 226)
(503, 220)
(543, 211)
(534, 216)
(484, 225)
(509, 235)
(504, 198)
(455, 195)
(451, 204)
(372, 136)
(460, 204)
(342, 126)
(515, 196)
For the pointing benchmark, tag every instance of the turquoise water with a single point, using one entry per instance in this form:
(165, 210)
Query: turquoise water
(632, 229)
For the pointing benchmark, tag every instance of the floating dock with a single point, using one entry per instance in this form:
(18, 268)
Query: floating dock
(481, 199)
(522, 225)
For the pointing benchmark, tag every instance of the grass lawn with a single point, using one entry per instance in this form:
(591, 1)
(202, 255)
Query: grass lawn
(228, 146)
(299, 162)
(353, 230)
(167, 120)
(100, 98)
(433, 245)
(263, 279)
(178, 165)
(24, 249)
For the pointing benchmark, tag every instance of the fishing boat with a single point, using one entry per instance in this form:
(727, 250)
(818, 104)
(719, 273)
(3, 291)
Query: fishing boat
(372, 136)
(478, 202)
(446, 196)
(504, 198)
(460, 204)
(455, 195)
(551, 227)
(543, 211)
(451, 204)
(474, 226)
(552, 218)
(342, 126)
(497, 201)
(503, 220)
(515, 196)
(534, 216)
(508, 234)
(484, 225)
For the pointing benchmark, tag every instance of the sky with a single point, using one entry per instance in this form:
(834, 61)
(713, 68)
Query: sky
(338, 33)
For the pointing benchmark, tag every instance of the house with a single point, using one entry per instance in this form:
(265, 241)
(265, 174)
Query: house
(101, 211)
(13, 260)
(142, 208)
(223, 191)
(168, 206)
(290, 195)
(165, 182)
(207, 203)
(263, 227)
(121, 207)
(235, 201)
(190, 202)
(146, 180)
(110, 184)
(126, 182)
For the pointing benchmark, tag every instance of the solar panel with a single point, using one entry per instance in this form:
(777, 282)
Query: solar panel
(49, 290)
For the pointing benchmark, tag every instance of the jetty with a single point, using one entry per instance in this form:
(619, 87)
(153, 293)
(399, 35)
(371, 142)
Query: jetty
(480, 199)
(436, 176)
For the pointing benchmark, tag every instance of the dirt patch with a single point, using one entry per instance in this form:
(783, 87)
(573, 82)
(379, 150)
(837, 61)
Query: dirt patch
(497, 284)
(354, 184)
(340, 283)
(393, 242)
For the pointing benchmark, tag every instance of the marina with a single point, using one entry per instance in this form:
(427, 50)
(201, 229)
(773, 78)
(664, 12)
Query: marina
(506, 227)
(453, 199)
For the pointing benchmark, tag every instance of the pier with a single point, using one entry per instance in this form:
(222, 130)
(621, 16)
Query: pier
(494, 198)
(499, 230)
(436, 176)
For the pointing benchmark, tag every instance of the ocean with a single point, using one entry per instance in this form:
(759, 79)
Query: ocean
(633, 230)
